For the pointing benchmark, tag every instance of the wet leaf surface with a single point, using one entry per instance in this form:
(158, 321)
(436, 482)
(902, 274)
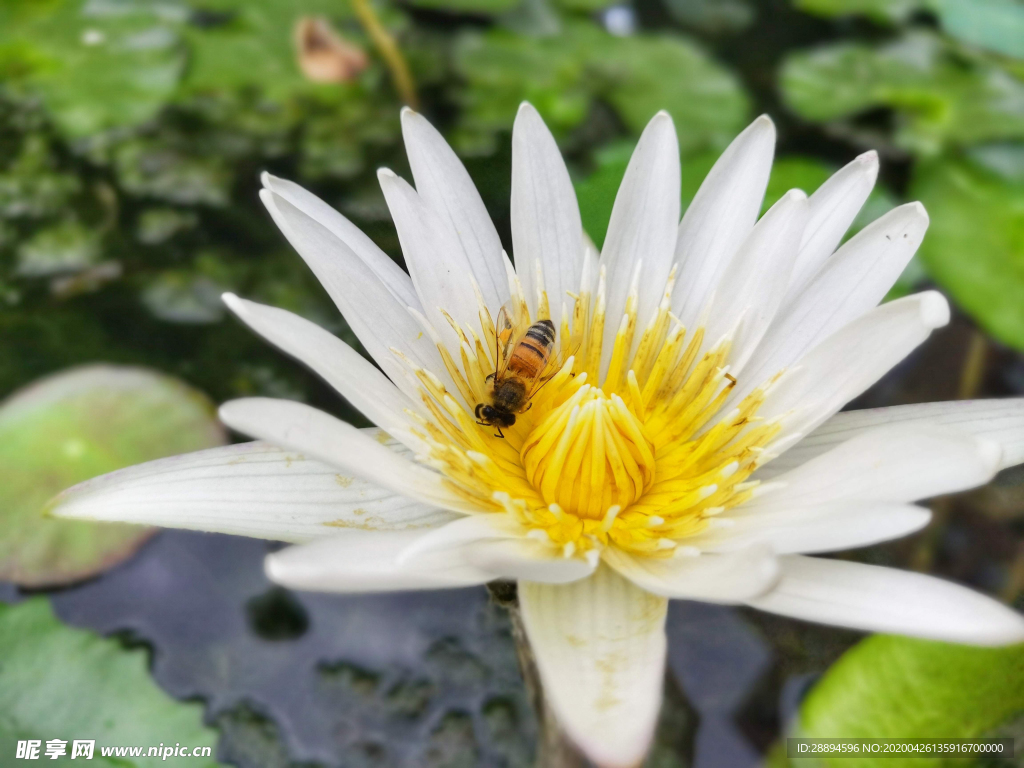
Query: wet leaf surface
(69, 428)
(57, 682)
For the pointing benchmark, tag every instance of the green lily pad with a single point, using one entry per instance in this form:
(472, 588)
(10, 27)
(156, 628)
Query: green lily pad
(975, 245)
(96, 66)
(250, 45)
(565, 74)
(57, 682)
(73, 426)
(939, 97)
(899, 687)
(996, 25)
(648, 73)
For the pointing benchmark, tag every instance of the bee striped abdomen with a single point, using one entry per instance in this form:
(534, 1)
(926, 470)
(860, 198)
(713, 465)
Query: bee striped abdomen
(532, 353)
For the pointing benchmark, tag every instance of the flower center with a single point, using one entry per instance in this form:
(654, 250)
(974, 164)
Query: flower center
(641, 448)
(589, 454)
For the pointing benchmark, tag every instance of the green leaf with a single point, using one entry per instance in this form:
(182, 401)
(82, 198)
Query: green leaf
(939, 98)
(478, 7)
(900, 687)
(57, 682)
(649, 73)
(997, 25)
(249, 45)
(502, 69)
(73, 426)
(975, 245)
(564, 75)
(880, 10)
(96, 66)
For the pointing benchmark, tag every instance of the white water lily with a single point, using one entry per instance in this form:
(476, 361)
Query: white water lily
(689, 447)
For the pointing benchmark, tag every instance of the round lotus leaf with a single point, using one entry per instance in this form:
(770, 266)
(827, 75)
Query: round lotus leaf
(73, 426)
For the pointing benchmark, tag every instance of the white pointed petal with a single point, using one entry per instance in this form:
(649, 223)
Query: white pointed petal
(373, 313)
(357, 380)
(890, 463)
(546, 225)
(834, 206)
(600, 648)
(850, 360)
(714, 578)
(1001, 421)
(642, 227)
(445, 186)
(721, 216)
(442, 274)
(752, 287)
(367, 561)
(849, 284)
(316, 434)
(250, 489)
(389, 273)
(879, 599)
(826, 528)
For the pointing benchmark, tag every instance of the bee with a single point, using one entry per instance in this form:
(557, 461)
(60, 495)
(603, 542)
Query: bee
(519, 374)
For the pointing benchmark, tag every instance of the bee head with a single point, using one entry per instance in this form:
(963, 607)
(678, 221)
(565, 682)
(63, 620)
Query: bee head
(488, 414)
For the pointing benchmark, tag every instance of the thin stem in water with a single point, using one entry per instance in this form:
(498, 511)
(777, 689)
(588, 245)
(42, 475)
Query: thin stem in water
(389, 50)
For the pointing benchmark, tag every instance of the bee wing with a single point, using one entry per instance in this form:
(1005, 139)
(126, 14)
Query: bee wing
(504, 338)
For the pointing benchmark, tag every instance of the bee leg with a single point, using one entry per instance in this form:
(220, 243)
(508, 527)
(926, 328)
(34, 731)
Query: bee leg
(529, 406)
(500, 433)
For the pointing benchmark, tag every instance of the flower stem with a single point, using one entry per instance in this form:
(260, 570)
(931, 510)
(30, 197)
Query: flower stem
(389, 50)
(554, 750)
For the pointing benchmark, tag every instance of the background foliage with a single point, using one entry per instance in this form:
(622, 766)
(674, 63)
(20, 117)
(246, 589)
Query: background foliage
(132, 133)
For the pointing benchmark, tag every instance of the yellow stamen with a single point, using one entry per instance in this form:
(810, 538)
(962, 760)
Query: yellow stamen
(644, 461)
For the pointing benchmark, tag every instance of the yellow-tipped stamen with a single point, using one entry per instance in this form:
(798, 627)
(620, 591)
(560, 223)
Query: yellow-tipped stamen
(644, 462)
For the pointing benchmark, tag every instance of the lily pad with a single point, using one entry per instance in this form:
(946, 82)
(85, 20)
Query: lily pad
(564, 75)
(939, 97)
(899, 687)
(57, 682)
(975, 245)
(96, 65)
(73, 426)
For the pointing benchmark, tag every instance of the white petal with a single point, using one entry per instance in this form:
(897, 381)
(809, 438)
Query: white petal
(834, 206)
(721, 216)
(444, 185)
(600, 648)
(546, 226)
(752, 287)
(851, 360)
(495, 543)
(890, 463)
(367, 561)
(1001, 421)
(378, 319)
(642, 228)
(713, 578)
(358, 381)
(853, 281)
(887, 600)
(392, 275)
(522, 558)
(440, 270)
(316, 434)
(250, 489)
(825, 528)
